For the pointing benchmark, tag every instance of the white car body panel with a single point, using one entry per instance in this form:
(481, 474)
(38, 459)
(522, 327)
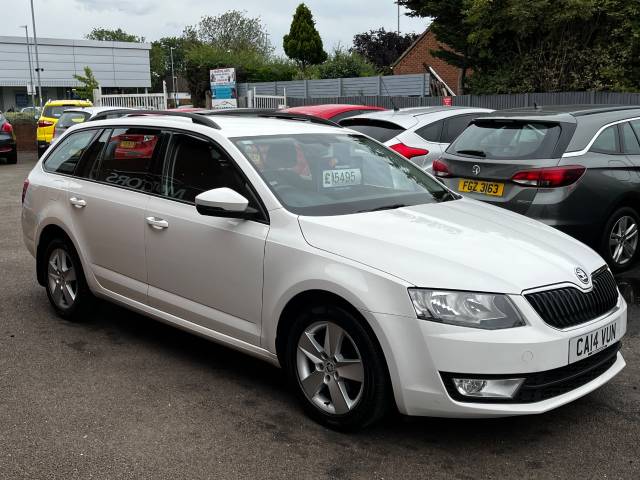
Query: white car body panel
(230, 280)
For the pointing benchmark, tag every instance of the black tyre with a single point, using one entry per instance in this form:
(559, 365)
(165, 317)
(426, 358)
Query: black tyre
(337, 368)
(619, 244)
(13, 158)
(65, 281)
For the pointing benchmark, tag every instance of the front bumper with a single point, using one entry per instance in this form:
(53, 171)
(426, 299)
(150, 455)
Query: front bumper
(419, 352)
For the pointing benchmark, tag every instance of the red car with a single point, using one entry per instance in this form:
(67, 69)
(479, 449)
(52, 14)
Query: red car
(332, 111)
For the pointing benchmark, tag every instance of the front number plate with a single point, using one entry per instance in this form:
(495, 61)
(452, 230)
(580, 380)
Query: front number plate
(589, 343)
(495, 189)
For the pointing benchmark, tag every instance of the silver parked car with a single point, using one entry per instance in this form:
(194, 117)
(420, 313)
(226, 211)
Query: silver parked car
(74, 116)
(420, 134)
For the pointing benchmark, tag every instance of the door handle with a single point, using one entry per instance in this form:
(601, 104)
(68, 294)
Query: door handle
(157, 223)
(77, 202)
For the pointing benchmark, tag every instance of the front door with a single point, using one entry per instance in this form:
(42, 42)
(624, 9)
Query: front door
(206, 270)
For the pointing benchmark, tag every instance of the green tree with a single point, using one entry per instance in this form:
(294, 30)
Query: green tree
(88, 84)
(117, 35)
(160, 58)
(233, 30)
(303, 43)
(344, 64)
(538, 45)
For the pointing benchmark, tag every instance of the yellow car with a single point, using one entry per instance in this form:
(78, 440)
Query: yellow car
(52, 111)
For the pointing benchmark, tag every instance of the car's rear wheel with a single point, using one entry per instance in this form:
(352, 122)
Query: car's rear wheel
(13, 158)
(337, 368)
(620, 239)
(65, 281)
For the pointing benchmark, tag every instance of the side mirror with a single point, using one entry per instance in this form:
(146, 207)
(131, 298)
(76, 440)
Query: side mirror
(224, 202)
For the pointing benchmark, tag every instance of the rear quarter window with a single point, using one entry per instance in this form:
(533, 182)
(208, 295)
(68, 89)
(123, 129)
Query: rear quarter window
(381, 131)
(515, 140)
(607, 141)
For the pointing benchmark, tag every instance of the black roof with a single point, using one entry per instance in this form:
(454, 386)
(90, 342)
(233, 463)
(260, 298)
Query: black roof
(560, 113)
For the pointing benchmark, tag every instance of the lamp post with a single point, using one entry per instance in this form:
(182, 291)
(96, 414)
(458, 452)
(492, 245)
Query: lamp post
(35, 43)
(32, 87)
(173, 80)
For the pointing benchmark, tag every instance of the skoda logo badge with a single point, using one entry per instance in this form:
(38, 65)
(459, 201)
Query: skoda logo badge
(582, 276)
(476, 170)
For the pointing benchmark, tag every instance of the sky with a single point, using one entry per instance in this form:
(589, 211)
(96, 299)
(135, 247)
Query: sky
(336, 20)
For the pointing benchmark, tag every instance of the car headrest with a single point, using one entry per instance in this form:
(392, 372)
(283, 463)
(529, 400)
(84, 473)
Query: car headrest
(280, 156)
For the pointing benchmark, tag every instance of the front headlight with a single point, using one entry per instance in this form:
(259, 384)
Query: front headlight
(467, 309)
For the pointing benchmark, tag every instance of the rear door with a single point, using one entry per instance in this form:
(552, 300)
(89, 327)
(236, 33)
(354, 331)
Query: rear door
(109, 198)
(485, 157)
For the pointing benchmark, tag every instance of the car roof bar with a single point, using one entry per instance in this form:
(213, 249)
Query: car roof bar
(267, 113)
(195, 118)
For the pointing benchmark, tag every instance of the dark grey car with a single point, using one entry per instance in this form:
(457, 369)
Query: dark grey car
(576, 168)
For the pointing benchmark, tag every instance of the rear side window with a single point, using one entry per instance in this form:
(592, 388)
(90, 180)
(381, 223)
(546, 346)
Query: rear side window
(128, 156)
(380, 130)
(607, 141)
(68, 119)
(630, 140)
(510, 140)
(431, 132)
(453, 126)
(67, 154)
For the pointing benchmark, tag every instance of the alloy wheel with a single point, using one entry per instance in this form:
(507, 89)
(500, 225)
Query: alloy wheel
(62, 279)
(623, 240)
(329, 368)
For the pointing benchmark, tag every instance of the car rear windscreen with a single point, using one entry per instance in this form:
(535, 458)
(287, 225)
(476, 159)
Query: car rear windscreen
(55, 111)
(515, 140)
(68, 119)
(377, 129)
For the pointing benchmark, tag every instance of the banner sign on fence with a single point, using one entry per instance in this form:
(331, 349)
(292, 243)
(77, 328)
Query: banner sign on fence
(223, 88)
(447, 101)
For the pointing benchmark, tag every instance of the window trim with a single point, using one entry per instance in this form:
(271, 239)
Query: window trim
(263, 209)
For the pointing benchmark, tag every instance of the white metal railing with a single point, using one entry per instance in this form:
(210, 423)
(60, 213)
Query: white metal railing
(147, 101)
(266, 101)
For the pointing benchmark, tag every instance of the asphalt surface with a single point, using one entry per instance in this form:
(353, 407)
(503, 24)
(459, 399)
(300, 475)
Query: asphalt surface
(123, 396)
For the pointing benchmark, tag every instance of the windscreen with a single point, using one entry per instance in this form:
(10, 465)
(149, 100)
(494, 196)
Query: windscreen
(380, 130)
(68, 119)
(336, 174)
(514, 140)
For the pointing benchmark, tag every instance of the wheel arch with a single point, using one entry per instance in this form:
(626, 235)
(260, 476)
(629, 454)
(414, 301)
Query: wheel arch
(46, 235)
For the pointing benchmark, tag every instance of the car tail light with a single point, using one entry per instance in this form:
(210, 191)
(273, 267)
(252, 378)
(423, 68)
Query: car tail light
(409, 152)
(7, 127)
(549, 177)
(44, 123)
(440, 169)
(25, 186)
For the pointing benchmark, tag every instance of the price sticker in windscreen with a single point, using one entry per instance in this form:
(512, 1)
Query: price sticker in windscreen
(342, 177)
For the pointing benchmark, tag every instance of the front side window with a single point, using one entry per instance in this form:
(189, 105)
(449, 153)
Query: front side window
(336, 174)
(195, 166)
(67, 154)
(508, 140)
(607, 141)
(128, 156)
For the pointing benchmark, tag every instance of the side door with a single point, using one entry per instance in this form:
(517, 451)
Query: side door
(109, 196)
(206, 270)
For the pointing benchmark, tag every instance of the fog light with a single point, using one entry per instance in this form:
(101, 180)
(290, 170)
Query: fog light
(488, 388)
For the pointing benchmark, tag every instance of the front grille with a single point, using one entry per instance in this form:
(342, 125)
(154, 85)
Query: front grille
(569, 306)
(540, 386)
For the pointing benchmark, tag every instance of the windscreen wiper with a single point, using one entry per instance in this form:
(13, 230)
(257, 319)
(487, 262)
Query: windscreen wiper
(475, 153)
(384, 207)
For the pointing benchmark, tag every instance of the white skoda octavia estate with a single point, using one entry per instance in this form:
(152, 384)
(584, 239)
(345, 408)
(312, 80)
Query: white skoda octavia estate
(320, 250)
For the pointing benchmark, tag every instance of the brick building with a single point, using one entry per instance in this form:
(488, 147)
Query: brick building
(418, 58)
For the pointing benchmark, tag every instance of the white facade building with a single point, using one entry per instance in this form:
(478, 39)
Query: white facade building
(114, 64)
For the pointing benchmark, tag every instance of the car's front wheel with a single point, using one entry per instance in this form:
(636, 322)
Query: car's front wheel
(620, 239)
(65, 282)
(337, 368)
